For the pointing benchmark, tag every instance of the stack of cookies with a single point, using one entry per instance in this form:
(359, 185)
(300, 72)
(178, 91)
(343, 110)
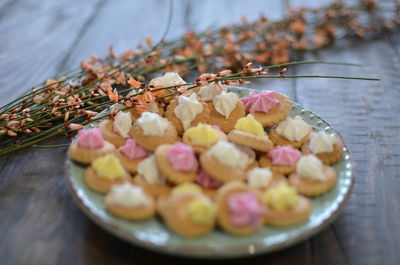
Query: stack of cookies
(207, 161)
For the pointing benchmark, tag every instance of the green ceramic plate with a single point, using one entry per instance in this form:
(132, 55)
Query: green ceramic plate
(154, 235)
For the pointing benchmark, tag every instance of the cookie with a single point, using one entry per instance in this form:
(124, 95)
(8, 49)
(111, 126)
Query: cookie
(191, 110)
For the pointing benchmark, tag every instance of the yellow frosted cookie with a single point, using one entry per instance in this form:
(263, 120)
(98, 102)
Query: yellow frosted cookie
(283, 206)
(249, 132)
(189, 213)
(105, 172)
(202, 137)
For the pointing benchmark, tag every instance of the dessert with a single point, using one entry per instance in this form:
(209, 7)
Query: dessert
(150, 179)
(208, 177)
(210, 91)
(292, 131)
(249, 132)
(186, 111)
(283, 206)
(202, 137)
(326, 147)
(167, 80)
(188, 212)
(225, 162)
(225, 110)
(281, 159)
(268, 107)
(261, 178)
(89, 145)
(239, 209)
(116, 131)
(177, 162)
(104, 172)
(130, 155)
(209, 184)
(129, 202)
(250, 156)
(151, 130)
(312, 178)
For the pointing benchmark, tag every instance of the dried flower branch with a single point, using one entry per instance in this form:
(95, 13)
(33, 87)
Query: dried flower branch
(64, 104)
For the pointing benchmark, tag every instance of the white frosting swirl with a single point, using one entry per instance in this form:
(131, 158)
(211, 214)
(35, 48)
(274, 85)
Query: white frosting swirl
(209, 92)
(251, 155)
(122, 124)
(187, 110)
(148, 169)
(168, 79)
(259, 177)
(322, 142)
(128, 195)
(225, 103)
(152, 124)
(228, 154)
(311, 167)
(293, 129)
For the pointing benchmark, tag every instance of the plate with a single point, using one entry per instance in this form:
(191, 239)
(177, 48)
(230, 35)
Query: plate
(154, 235)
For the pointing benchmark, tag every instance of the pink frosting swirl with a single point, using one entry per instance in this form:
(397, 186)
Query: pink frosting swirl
(182, 158)
(245, 209)
(284, 156)
(206, 181)
(90, 138)
(132, 150)
(261, 102)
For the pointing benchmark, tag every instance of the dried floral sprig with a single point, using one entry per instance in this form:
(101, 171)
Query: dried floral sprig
(144, 95)
(64, 104)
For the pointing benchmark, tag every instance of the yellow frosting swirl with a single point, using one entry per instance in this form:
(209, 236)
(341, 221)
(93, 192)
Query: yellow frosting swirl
(281, 198)
(203, 134)
(186, 187)
(250, 125)
(201, 211)
(108, 167)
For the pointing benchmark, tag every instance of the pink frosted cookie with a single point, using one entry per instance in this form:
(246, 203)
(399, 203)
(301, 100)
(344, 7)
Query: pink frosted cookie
(281, 159)
(268, 107)
(177, 162)
(209, 184)
(130, 155)
(240, 211)
(89, 145)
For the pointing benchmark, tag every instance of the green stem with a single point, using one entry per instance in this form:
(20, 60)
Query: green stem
(50, 146)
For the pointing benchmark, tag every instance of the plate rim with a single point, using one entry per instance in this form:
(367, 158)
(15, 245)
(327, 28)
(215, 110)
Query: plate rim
(261, 249)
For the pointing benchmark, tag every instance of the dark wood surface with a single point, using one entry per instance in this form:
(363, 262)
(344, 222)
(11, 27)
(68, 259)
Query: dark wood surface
(40, 224)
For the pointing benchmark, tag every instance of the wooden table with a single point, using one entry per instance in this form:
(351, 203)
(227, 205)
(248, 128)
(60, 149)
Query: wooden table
(40, 224)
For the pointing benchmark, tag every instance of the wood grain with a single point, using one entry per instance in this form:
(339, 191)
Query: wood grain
(35, 37)
(366, 113)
